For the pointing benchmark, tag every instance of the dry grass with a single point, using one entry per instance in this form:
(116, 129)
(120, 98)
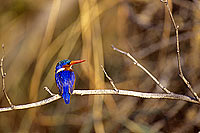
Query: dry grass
(39, 34)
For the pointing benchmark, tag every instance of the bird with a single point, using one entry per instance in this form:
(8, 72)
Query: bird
(65, 78)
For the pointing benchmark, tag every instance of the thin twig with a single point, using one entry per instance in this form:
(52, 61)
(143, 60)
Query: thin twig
(143, 68)
(171, 96)
(47, 89)
(178, 52)
(3, 75)
(111, 81)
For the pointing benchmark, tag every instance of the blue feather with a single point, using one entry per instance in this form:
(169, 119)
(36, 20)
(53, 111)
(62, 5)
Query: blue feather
(66, 95)
(65, 81)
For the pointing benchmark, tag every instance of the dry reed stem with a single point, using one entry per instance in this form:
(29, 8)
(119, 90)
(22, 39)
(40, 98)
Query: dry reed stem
(35, 81)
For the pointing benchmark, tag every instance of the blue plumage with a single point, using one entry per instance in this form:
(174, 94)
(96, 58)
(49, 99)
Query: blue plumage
(65, 78)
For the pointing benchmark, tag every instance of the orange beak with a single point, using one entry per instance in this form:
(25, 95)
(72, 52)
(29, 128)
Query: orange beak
(76, 62)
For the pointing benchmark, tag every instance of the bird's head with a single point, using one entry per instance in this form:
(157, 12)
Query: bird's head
(66, 65)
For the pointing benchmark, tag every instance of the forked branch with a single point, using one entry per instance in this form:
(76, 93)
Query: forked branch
(109, 78)
(178, 51)
(143, 68)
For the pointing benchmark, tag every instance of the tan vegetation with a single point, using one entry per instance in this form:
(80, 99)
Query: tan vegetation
(38, 34)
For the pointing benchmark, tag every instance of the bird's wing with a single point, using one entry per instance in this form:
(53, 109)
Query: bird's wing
(65, 82)
(59, 82)
(68, 80)
(72, 82)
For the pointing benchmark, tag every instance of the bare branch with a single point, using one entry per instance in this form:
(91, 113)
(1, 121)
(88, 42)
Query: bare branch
(136, 94)
(178, 52)
(111, 81)
(3, 75)
(171, 96)
(47, 89)
(32, 105)
(143, 68)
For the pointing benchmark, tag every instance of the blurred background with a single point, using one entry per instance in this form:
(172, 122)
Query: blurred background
(37, 34)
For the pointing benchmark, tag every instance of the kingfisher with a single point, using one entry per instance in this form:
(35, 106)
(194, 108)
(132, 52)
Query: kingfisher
(65, 78)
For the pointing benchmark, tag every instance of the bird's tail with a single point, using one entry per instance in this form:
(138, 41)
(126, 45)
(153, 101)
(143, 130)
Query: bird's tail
(66, 94)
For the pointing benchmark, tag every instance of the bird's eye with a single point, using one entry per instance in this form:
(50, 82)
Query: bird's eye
(68, 63)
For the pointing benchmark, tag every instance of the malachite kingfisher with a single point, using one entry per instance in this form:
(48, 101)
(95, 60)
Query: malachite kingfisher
(65, 78)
